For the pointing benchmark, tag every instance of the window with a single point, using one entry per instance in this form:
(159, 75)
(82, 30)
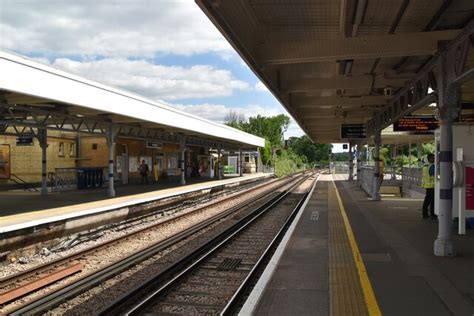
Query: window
(247, 159)
(94, 146)
(72, 150)
(61, 150)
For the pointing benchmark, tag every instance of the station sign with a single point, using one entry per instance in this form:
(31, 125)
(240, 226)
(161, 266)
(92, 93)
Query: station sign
(4, 161)
(353, 131)
(24, 140)
(154, 145)
(416, 124)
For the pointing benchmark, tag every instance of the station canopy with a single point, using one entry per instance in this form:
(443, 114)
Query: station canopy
(34, 96)
(339, 62)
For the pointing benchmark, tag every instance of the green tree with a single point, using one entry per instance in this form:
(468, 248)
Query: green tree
(309, 151)
(271, 128)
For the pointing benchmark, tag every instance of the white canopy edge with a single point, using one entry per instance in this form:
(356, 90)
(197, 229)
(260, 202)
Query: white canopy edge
(22, 75)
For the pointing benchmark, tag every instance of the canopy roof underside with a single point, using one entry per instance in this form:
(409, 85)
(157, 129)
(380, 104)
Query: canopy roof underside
(332, 62)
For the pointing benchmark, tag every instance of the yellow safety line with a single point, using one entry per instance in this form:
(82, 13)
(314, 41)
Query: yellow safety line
(370, 300)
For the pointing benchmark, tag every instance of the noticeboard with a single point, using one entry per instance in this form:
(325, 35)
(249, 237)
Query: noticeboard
(416, 124)
(353, 131)
(4, 161)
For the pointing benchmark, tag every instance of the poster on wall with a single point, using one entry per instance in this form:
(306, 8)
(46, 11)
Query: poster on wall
(4, 161)
(133, 164)
(469, 188)
(118, 163)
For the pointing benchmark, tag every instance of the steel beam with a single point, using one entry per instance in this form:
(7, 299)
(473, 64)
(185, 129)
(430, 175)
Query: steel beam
(351, 163)
(183, 159)
(24, 119)
(377, 176)
(416, 93)
(315, 102)
(341, 82)
(361, 47)
(43, 141)
(110, 136)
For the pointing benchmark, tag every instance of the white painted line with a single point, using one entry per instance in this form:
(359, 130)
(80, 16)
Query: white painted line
(254, 297)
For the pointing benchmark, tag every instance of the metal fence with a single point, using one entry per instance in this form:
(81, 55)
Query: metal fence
(266, 169)
(411, 179)
(65, 179)
(366, 179)
(339, 167)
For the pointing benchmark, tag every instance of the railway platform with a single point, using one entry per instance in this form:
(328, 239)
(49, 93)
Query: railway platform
(349, 255)
(26, 217)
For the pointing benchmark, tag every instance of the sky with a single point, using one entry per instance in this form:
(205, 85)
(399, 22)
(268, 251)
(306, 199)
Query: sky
(167, 51)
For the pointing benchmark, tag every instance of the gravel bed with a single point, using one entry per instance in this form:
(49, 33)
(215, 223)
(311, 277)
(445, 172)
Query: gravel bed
(106, 233)
(91, 301)
(248, 246)
(187, 310)
(124, 249)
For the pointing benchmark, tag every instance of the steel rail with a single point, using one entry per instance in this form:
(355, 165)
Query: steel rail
(232, 305)
(12, 279)
(50, 300)
(192, 260)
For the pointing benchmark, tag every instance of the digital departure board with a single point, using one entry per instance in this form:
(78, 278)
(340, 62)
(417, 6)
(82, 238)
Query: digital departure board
(416, 124)
(353, 131)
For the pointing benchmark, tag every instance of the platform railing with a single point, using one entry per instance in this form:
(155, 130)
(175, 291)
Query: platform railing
(366, 179)
(339, 167)
(65, 179)
(411, 178)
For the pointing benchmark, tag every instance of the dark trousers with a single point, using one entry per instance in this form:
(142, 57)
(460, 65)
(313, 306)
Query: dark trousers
(429, 201)
(144, 178)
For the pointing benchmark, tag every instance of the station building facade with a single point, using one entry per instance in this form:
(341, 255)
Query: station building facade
(69, 152)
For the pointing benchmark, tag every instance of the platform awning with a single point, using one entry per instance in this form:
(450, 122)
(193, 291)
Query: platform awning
(333, 62)
(32, 93)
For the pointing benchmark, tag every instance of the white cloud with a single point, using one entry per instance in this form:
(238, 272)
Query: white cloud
(156, 81)
(218, 112)
(259, 86)
(109, 28)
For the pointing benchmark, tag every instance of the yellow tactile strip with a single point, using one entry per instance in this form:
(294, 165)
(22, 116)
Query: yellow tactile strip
(346, 291)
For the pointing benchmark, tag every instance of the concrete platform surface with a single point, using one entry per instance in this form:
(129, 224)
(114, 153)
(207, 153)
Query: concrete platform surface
(394, 245)
(19, 207)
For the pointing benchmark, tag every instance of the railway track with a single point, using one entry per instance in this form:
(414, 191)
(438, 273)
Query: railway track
(216, 277)
(62, 268)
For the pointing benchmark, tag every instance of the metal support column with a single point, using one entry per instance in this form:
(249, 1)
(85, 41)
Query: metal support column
(110, 135)
(393, 156)
(43, 142)
(358, 161)
(257, 160)
(219, 164)
(376, 183)
(241, 171)
(351, 163)
(183, 159)
(448, 110)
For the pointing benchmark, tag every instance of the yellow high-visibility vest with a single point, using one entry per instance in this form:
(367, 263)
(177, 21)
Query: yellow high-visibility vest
(427, 182)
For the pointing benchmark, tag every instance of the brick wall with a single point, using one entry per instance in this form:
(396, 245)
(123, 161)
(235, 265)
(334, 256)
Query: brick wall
(25, 161)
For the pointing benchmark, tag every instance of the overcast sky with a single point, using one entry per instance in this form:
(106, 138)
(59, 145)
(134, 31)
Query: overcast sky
(164, 50)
